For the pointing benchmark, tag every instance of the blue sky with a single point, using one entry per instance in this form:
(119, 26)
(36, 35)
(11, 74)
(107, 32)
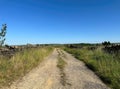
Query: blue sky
(60, 21)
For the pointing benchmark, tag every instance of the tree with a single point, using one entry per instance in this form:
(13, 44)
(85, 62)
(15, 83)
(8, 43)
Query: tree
(106, 43)
(2, 34)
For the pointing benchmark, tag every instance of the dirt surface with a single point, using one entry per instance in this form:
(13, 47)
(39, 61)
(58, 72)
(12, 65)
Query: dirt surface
(47, 75)
(78, 76)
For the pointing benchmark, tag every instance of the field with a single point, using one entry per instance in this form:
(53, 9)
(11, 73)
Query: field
(21, 63)
(105, 65)
(68, 71)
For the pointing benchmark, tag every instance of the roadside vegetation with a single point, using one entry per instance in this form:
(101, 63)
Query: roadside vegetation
(21, 63)
(3, 34)
(104, 64)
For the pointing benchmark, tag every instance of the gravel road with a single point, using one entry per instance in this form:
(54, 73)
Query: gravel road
(47, 75)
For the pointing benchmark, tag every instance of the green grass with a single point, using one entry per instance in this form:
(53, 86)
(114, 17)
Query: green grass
(105, 65)
(20, 64)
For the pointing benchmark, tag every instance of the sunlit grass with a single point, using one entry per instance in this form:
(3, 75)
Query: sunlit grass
(21, 63)
(106, 66)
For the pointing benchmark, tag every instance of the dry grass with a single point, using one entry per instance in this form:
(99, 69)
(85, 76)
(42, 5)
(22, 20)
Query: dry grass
(21, 63)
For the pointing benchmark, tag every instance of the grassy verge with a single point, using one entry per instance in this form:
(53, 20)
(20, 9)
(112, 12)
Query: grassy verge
(106, 66)
(20, 64)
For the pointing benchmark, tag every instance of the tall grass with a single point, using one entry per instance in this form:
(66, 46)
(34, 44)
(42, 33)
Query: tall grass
(20, 64)
(106, 66)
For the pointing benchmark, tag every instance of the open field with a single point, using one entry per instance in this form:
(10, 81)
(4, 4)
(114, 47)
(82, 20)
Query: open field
(104, 64)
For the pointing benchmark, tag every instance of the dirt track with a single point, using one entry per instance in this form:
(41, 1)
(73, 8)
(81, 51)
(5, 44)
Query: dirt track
(47, 75)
